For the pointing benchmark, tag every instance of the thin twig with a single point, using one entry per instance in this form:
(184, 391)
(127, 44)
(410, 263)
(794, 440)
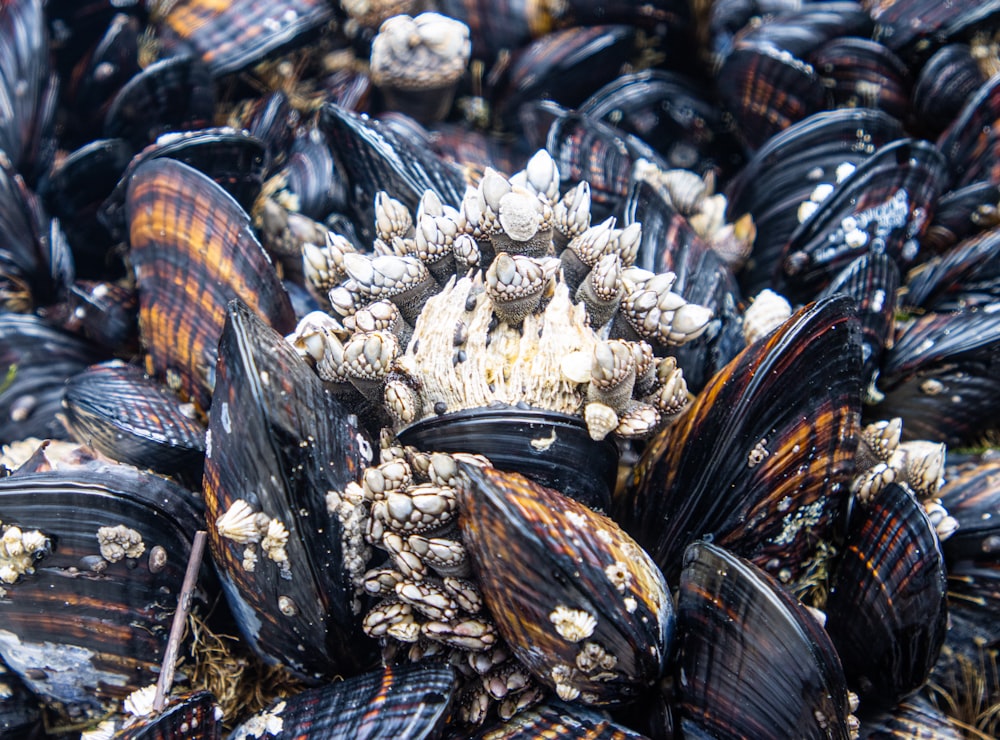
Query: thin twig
(166, 678)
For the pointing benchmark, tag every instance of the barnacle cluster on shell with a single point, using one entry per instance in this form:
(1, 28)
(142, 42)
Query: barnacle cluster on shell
(19, 550)
(512, 298)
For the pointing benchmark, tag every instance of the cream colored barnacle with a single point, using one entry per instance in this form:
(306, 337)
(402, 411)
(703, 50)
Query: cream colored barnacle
(274, 541)
(619, 575)
(238, 523)
(120, 542)
(573, 624)
(140, 702)
(19, 549)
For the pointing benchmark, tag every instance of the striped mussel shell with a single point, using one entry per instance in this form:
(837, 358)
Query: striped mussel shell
(941, 376)
(860, 73)
(880, 207)
(970, 144)
(800, 165)
(949, 78)
(916, 29)
(753, 661)
(404, 702)
(973, 552)
(577, 600)
(887, 609)
(36, 359)
(872, 281)
(915, 718)
(227, 37)
(761, 461)
(93, 558)
(280, 448)
(559, 721)
(193, 250)
(118, 410)
(961, 214)
(194, 715)
(174, 94)
(966, 276)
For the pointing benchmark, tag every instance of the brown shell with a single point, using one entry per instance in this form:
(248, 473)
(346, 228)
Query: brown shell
(539, 556)
(193, 250)
(763, 458)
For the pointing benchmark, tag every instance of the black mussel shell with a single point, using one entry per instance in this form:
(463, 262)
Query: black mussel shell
(860, 73)
(35, 361)
(474, 151)
(564, 66)
(887, 609)
(970, 143)
(915, 29)
(561, 582)
(973, 552)
(787, 169)
(668, 243)
(118, 410)
(967, 276)
(941, 377)
(230, 36)
(585, 148)
(960, 214)
(753, 661)
(558, 721)
(194, 716)
(27, 88)
(313, 177)
(872, 281)
(883, 206)
(20, 714)
(554, 450)
(373, 157)
(670, 112)
(497, 26)
(403, 702)
(87, 622)
(915, 718)
(234, 159)
(949, 78)
(762, 460)
(74, 192)
(174, 94)
(272, 120)
(279, 444)
(193, 250)
(107, 314)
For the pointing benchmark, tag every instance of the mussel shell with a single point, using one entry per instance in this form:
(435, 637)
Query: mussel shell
(887, 608)
(915, 718)
(195, 716)
(971, 144)
(559, 721)
(762, 459)
(118, 410)
(107, 314)
(20, 714)
(941, 376)
(962, 213)
(313, 177)
(872, 281)
(374, 158)
(537, 555)
(753, 661)
(881, 207)
(670, 112)
(36, 359)
(474, 151)
(496, 26)
(915, 29)
(973, 552)
(233, 159)
(554, 450)
(74, 192)
(280, 442)
(174, 94)
(27, 88)
(193, 250)
(949, 78)
(230, 36)
(967, 276)
(80, 630)
(406, 702)
(860, 73)
(565, 66)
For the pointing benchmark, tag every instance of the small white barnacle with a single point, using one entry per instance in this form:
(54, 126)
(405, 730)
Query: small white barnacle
(120, 542)
(573, 624)
(238, 523)
(758, 454)
(273, 543)
(619, 574)
(566, 692)
(576, 519)
(263, 724)
(630, 604)
(250, 558)
(19, 549)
